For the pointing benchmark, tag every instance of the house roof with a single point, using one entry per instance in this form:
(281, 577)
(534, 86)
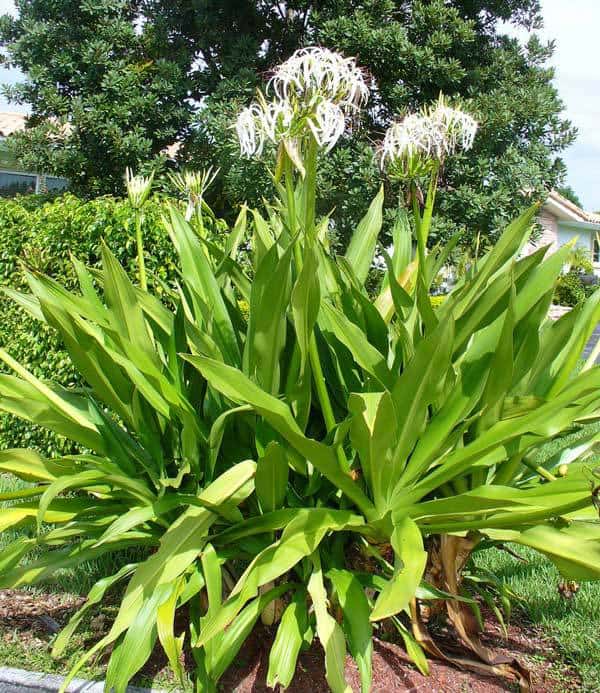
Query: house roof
(565, 210)
(11, 122)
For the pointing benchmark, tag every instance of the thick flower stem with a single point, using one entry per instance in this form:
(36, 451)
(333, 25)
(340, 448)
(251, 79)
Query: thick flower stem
(310, 186)
(423, 221)
(309, 197)
(429, 204)
(140, 251)
(418, 234)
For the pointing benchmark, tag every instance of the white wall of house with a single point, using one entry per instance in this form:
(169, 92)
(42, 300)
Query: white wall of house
(582, 237)
(549, 235)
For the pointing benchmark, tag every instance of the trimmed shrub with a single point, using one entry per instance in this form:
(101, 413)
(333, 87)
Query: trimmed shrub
(43, 233)
(571, 288)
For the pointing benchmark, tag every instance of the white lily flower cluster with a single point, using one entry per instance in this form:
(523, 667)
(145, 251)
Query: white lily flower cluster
(411, 137)
(431, 135)
(263, 121)
(314, 89)
(315, 71)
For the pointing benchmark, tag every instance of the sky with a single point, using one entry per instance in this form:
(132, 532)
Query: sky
(575, 26)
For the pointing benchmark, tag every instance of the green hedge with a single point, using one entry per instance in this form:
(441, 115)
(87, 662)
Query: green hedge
(42, 233)
(571, 290)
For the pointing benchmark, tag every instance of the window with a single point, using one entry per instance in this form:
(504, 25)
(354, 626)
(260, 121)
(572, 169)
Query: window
(55, 184)
(596, 248)
(14, 183)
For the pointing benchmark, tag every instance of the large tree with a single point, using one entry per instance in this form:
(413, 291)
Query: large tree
(103, 94)
(217, 52)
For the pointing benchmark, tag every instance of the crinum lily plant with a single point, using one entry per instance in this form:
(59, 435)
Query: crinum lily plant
(271, 441)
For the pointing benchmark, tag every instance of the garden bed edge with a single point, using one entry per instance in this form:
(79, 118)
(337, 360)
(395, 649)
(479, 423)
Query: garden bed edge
(22, 681)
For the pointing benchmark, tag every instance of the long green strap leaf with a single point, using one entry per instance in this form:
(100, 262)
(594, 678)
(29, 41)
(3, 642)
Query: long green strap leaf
(237, 387)
(329, 632)
(361, 250)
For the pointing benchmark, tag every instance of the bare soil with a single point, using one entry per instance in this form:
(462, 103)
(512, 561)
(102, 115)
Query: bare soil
(34, 618)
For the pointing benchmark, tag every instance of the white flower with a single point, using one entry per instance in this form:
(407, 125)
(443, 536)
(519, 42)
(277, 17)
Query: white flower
(413, 136)
(263, 121)
(193, 184)
(456, 127)
(138, 188)
(433, 134)
(278, 118)
(250, 131)
(313, 91)
(313, 72)
(327, 124)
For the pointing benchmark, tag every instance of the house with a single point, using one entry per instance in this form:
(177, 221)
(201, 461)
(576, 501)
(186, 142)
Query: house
(13, 179)
(562, 221)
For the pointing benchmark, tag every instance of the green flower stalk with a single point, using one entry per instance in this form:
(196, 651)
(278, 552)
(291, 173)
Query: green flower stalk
(315, 91)
(138, 192)
(416, 148)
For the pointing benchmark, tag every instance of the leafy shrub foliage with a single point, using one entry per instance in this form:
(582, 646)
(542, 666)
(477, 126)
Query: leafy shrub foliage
(579, 282)
(277, 442)
(570, 290)
(43, 233)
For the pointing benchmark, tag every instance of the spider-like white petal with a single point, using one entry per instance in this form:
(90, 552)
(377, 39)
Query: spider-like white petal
(457, 128)
(315, 71)
(433, 134)
(278, 117)
(263, 121)
(412, 136)
(250, 131)
(327, 124)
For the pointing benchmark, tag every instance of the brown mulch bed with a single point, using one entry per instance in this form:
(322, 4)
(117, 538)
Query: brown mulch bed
(392, 671)
(26, 610)
(33, 618)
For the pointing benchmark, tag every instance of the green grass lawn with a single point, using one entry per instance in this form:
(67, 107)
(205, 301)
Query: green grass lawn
(573, 624)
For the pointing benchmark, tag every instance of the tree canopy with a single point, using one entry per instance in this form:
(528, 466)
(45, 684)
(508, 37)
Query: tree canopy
(130, 77)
